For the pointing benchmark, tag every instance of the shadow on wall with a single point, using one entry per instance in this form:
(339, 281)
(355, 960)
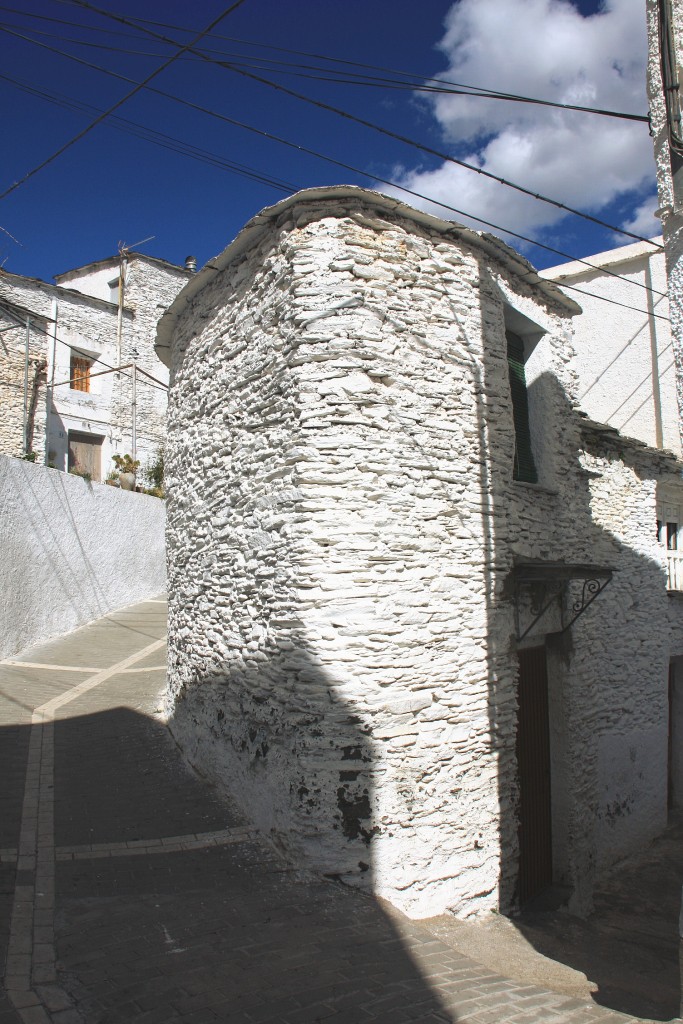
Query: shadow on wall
(594, 722)
(72, 552)
(48, 568)
(281, 685)
(223, 925)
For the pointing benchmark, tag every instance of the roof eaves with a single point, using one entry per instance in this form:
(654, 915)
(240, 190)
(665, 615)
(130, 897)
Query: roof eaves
(255, 228)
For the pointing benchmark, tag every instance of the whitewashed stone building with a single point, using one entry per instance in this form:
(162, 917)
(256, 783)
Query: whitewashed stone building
(623, 355)
(80, 413)
(624, 362)
(418, 609)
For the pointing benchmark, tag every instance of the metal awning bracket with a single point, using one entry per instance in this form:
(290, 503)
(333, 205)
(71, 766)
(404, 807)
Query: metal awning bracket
(546, 583)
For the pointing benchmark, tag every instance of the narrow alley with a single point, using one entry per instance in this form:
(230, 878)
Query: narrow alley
(132, 892)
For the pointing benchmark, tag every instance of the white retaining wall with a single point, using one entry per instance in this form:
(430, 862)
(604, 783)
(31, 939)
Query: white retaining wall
(71, 552)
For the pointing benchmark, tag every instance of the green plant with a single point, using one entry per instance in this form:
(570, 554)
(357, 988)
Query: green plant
(29, 457)
(155, 471)
(83, 473)
(125, 463)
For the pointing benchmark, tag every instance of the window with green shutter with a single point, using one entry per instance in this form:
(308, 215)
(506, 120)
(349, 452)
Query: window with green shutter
(524, 467)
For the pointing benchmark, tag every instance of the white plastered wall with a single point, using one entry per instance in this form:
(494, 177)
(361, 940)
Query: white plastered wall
(623, 353)
(72, 552)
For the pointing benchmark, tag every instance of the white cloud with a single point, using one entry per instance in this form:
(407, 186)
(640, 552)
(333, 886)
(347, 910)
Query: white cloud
(643, 220)
(546, 49)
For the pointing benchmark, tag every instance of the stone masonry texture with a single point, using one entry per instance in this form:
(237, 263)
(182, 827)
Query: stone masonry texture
(343, 534)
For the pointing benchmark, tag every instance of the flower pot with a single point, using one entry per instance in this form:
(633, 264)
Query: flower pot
(127, 481)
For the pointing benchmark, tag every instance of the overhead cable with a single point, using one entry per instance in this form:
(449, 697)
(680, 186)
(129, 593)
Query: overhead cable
(413, 81)
(325, 74)
(158, 138)
(356, 170)
(397, 136)
(119, 103)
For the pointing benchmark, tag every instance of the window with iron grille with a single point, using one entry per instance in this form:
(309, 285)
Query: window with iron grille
(524, 467)
(80, 373)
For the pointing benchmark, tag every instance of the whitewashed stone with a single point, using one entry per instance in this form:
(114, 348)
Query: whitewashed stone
(348, 667)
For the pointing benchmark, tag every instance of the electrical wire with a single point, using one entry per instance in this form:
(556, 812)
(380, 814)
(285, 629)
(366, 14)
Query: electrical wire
(339, 77)
(156, 137)
(365, 174)
(670, 76)
(79, 351)
(397, 136)
(413, 81)
(119, 103)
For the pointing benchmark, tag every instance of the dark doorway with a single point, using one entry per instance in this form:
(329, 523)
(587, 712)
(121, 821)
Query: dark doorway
(533, 761)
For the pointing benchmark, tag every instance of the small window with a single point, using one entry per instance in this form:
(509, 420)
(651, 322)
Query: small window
(672, 536)
(80, 373)
(524, 467)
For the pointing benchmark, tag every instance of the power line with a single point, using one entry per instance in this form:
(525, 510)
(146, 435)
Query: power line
(158, 138)
(340, 77)
(80, 351)
(363, 173)
(119, 103)
(375, 127)
(413, 81)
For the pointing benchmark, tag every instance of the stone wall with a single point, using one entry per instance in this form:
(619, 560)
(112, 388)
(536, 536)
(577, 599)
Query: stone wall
(150, 289)
(89, 323)
(343, 531)
(72, 552)
(16, 388)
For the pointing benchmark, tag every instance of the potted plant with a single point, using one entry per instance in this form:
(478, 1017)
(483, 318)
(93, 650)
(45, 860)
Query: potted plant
(127, 467)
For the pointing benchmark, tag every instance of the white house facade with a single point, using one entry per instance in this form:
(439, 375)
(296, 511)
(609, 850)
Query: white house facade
(419, 621)
(81, 331)
(623, 355)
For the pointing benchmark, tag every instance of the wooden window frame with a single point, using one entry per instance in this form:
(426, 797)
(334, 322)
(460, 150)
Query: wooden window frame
(79, 372)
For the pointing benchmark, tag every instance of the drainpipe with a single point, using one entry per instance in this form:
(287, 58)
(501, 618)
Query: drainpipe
(50, 390)
(119, 320)
(134, 404)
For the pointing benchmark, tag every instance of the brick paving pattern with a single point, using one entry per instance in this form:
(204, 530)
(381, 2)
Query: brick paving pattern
(132, 892)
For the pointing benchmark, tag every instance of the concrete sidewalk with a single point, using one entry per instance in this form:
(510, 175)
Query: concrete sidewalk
(132, 892)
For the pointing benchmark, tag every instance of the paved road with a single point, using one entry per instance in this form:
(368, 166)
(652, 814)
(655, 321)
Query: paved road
(132, 893)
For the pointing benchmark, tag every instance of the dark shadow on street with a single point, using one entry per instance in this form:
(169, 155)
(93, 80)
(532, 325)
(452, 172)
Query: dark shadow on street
(228, 932)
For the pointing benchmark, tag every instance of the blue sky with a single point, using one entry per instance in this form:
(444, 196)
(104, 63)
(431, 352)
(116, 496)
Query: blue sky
(112, 187)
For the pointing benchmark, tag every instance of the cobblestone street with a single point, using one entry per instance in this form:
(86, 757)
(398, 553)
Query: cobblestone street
(131, 892)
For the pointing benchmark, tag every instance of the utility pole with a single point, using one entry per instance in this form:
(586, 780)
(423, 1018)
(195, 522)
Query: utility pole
(665, 58)
(134, 408)
(123, 264)
(26, 361)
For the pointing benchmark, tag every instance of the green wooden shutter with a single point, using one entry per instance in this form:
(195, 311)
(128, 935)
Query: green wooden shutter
(524, 467)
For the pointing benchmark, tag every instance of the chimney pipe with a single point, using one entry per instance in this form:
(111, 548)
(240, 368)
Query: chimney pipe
(191, 264)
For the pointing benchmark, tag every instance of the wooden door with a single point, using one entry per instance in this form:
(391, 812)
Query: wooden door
(533, 761)
(85, 454)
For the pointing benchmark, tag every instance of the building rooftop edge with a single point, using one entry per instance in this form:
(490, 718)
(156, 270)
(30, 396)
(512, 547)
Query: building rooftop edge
(602, 259)
(115, 259)
(255, 227)
(612, 434)
(59, 291)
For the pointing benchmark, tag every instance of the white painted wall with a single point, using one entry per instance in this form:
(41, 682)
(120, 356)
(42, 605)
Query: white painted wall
(71, 552)
(343, 532)
(623, 354)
